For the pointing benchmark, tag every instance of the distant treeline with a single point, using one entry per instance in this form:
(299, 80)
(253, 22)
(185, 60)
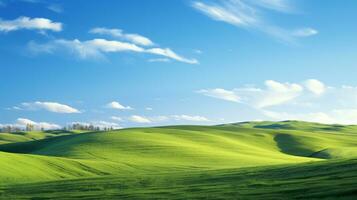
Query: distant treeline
(86, 127)
(74, 126)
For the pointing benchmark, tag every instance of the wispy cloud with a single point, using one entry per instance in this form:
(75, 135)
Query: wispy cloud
(117, 106)
(118, 33)
(233, 12)
(57, 8)
(304, 32)
(192, 118)
(198, 51)
(96, 48)
(32, 1)
(140, 40)
(220, 93)
(277, 5)
(49, 106)
(140, 119)
(115, 118)
(163, 118)
(28, 23)
(159, 60)
(90, 49)
(251, 14)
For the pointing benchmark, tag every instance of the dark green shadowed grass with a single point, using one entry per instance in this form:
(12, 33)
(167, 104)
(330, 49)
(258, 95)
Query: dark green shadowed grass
(331, 180)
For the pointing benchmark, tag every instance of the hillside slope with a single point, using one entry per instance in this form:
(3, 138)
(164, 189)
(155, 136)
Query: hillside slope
(218, 152)
(25, 136)
(178, 148)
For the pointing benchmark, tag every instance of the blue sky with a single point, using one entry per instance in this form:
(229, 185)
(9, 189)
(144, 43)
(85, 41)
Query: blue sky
(147, 63)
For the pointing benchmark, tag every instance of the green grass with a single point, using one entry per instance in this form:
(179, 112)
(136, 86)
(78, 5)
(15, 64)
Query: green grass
(32, 135)
(327, 180)
(250, 160)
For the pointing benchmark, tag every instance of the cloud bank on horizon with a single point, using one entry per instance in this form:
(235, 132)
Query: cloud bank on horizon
(310, 100)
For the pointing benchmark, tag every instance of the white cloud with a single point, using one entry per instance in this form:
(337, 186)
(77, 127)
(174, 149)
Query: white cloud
(90, 49)
(50, 106)
(96, 48)
(170, 54)
(315, 86)
(116, 105)
(23, 122)
(221, 94)
(113, 46)
(232, 12)
(140, 119)
(198, 51)
(161, 118)
(31, 1)
(319, 117)
(115, 118)
(275, 93)
(30, 24)
(118, 33)
(278, 93)
(149, 108)
(345, 116)
(38, 125)
(57, 8)
(251, 14)
(195, 118)
(310, 100)
(305, 32)
(337, 116)
(15, 108)
(159, 60)
(278, 5)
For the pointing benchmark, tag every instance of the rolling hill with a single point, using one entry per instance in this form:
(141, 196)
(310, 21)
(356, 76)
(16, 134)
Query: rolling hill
(246, 160)
(33, 135)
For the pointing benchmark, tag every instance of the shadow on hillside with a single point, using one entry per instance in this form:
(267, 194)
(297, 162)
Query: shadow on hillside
(290, 145)
(275, 126)
(334, 128)
(18, 133)
(56, 132)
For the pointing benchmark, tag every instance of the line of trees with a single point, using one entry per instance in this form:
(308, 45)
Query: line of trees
(87, 127)
(10, 129)
(74, 126)
(13, 129)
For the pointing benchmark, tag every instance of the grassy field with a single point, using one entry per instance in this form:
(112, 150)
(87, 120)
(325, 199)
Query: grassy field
(6, 138)
(253, 160)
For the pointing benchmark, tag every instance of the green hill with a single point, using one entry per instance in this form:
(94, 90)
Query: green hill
(32, 135)
(228, 159)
